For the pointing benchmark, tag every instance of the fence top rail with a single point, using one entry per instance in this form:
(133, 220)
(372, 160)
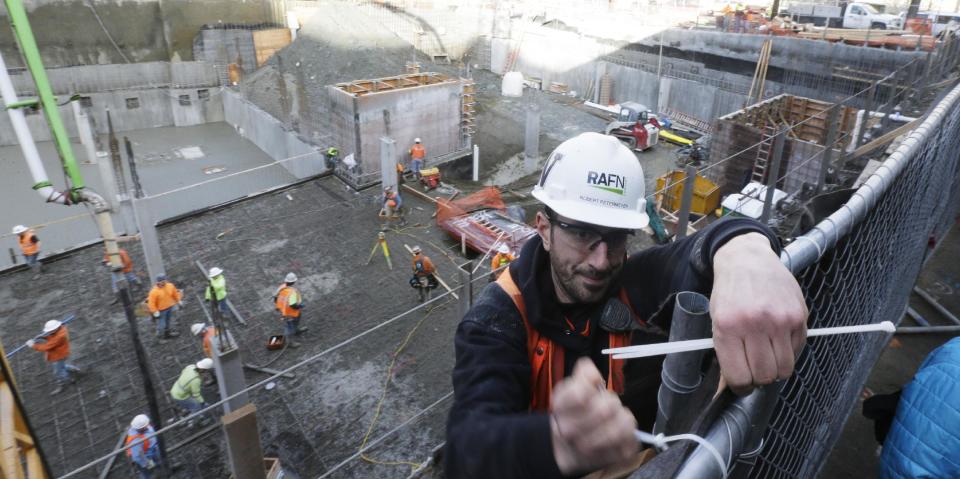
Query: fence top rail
(811, 246)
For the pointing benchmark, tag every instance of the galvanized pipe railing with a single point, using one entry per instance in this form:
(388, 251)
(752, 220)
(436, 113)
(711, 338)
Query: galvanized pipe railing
(681, 374)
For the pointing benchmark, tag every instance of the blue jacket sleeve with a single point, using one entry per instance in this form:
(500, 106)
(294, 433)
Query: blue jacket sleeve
(490, 432)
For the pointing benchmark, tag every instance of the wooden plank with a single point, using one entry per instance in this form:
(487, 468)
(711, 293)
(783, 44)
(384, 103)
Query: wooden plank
(422, 195)
(887, 138)
(9, 452)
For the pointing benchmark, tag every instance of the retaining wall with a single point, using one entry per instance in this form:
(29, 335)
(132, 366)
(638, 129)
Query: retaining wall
(269, 135)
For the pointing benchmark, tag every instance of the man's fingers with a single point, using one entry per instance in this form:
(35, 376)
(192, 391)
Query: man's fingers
(733, 363)
(761, 359)
(585, 370)
(784, 353)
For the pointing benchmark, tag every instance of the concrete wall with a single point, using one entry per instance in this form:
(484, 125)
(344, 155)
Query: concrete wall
(152, 103)
(429, 112)
(68, 32)
(269, 135)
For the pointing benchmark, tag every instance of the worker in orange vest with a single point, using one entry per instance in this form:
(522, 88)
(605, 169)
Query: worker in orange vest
(422, 269)
(163, 298)
(289, 303)
(501, 259)
(392, 203)
(145, 453)
(418, 155)
(126, 270)
(29, 246)
(206, 333)
(55, 342)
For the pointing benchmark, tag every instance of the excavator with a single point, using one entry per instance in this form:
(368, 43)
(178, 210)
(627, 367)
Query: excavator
(636, 126)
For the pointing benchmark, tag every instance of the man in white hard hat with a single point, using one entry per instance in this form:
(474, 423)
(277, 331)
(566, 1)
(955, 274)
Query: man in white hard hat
(534, 395)
(289, 303)
(30, 247)
(55, 343)
(500, 260)
(418, 155)
(145, 450)
(186, 392)
(218, 285)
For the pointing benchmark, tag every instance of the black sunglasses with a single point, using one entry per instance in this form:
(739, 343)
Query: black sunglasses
(589, 237)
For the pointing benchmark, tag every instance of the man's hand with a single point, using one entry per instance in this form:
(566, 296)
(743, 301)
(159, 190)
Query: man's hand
(156, 314)
(589, 428)
(759, 314)
(30, 343)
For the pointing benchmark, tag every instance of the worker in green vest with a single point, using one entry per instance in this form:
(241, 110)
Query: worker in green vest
(186, 392)
(218, 284)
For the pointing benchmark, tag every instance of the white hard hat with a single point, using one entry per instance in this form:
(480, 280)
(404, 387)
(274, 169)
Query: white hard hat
(503, 248)
(19, 229)
(416, 140)
(205, 363)
(416, 249)
(140, 421)
(51, 325)
(215, 271)
(290, 278)
(593, 178)
(197, 328)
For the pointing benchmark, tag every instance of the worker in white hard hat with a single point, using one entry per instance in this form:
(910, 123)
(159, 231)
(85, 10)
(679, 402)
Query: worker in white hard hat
(144, 451)
(500, 260)
(391, 203)
(217, 283)
(289, 303)
(533, 393)
(418, 155)
(30, 247)
(186, 392)
(55, 343)
(424, 279)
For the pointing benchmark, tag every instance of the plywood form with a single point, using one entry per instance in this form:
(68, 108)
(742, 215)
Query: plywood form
(268, 42)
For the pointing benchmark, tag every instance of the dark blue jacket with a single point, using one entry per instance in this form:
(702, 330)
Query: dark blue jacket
(490, 432)
(924, 439)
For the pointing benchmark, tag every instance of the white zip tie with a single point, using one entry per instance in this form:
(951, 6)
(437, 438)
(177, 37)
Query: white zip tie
(671, 347)
(659, 441)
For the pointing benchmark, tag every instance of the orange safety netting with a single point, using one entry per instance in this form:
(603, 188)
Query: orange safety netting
(488, 197)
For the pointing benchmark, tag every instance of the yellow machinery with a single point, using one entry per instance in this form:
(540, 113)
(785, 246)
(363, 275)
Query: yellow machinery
(706, 194)
(674, 138)
(18, 446)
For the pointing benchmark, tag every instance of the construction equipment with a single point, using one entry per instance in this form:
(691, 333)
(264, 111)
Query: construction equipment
(430, 178)
(706, 194)
(636, 126)
(382, 245)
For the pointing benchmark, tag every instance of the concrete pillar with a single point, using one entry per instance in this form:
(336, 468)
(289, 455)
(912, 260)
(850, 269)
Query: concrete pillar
(148, 237)
(229, 369)
(85, 131)
(243, 443)
(531, 139)
(388, 162)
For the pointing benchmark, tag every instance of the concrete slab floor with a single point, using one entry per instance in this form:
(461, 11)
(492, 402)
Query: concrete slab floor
(856, 453)
(163, 164)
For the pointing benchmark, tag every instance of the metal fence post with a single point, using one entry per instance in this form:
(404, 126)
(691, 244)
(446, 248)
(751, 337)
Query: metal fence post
(831, 126)
(773, 176)
(686, 200)
(465, 274)
(867, 106)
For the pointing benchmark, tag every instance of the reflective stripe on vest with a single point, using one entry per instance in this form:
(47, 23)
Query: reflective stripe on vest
(136, 437)
(283, 302)
(546, 357)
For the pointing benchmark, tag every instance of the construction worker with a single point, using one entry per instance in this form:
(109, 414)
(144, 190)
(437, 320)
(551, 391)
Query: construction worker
(219, 286)
(501, 259)
(721, 17)
(392, 203)
(417, 157)
(533, 394)
(331, 156)
(423, 270)
(740, 18)
(206, 334)
(400, 170)
(145, 450)
(289, 303)
(55, 342)
(163, 298)
(126, 271)
(186, 392)
(29, 246)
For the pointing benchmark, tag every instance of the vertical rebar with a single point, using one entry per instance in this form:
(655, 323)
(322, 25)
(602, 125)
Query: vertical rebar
(773, 176)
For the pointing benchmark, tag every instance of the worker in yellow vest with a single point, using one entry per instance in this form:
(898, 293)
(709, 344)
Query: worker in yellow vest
(29, 246)
(500, 260)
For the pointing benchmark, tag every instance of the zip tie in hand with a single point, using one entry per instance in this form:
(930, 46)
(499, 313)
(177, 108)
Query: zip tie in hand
(659, 441)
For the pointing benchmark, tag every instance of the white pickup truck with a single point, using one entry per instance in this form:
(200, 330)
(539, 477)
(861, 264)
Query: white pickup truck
(846, 15)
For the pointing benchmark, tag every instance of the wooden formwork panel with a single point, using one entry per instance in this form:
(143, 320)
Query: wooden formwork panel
(268, 42)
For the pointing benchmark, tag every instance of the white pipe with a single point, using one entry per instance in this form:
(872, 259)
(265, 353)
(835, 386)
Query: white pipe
(25, 138)
(476, 163)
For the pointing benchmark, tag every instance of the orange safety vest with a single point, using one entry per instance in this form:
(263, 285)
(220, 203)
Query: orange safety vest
(500, 259)
(283, 303)
(28, 247)
(136, 437)
(546, 357)
(124, 260)
(208, 333)
(418, 152)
